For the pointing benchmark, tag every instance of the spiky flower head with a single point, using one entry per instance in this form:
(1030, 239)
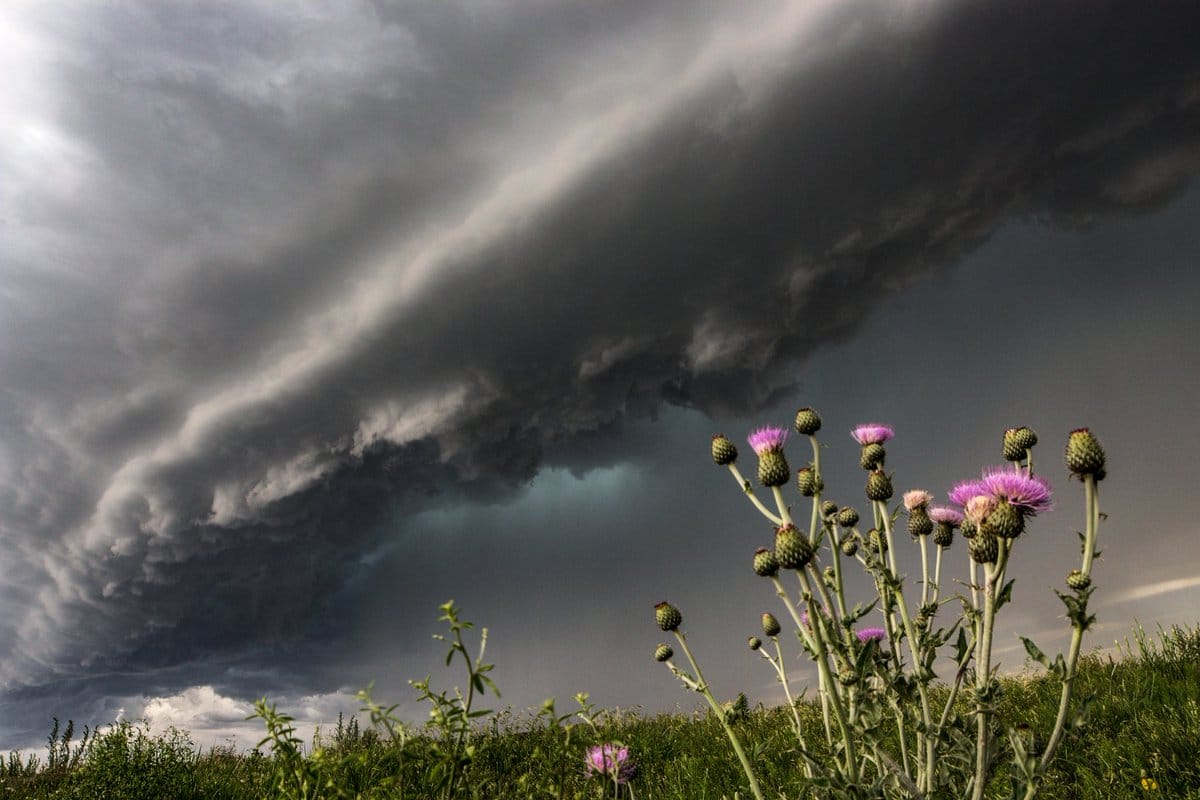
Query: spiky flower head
(1078, 581)
(770, 625)
(968, 529)
(1017, 441)
(767, 443)
(867, 634)
(808, 422)
(879, 486)
(765, 563)
(667, 616)
(847, 517)
(946, 516)
(609, 761)
(850, 546)
(754, 642)
(847, 676)
(1006, 521)
(828, 508)
(663, 653)
(978, 507)
(723, 451)
(1084, 454)
(1030, 494)
(876, 542)
(964, 491)
(917, 498)
(984, 548)
(808, 481)
(792, 548)
(873, 455)
(872, 433)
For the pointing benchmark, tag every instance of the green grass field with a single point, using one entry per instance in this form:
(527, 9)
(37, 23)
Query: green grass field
(1140, 740)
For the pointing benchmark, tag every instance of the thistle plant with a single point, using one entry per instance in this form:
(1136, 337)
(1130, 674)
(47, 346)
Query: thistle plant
(895, 729)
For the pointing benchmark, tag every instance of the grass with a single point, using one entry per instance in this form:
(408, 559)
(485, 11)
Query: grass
(1140, 739)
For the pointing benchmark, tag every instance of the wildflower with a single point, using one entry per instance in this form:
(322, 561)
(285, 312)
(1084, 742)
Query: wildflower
(610, 761)
(872, 433)
(1084, 454)
(945, 521)
(867, 634)
(723, 451)
(964, 491)
(808, 422)
(917, 498)
(1017, 441)
(667, 616)
(792, 548)
(917, 501)
(979, 507)
(1028, 493)
(879, 486)
(767, 443)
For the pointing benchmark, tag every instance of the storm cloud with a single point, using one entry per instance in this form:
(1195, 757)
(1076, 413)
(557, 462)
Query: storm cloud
(278, 278)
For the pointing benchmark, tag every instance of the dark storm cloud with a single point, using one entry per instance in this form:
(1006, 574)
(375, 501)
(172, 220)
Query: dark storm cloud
(273, 281)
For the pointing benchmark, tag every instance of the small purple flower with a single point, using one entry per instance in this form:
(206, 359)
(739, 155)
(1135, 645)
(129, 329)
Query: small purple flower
(872, 433)
(965, 490)
(1029, 493)
(945, 515)
(767, 439)
(609, 761)
(867, 634)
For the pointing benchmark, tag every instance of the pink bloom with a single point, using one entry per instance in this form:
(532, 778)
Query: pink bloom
(867, 634)
(767, 439)
(872, 433)
(965, 490)
(978, 508)
(1030, 494)
(917, 498)
(946, 516)
(609, 761)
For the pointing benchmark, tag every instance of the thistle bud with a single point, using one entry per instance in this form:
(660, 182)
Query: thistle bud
(1084, 454)
(919, 523)
(828, 508)
(663, 652)
(879, 486)
(850, 546)
(792, 548)
(767, 443)
(808, 481)
(873, 455)
(1078, 581)
(1017, 441)
(847, 517)
(667, 616)
(808, 422)
(754, 642)
(876, 542)
(847, 676)
(943, 534)
(1006, 521)
(984, 548)
(765, 563)
(830, 576)
(968, 529)
(770, 625)
(723, 451)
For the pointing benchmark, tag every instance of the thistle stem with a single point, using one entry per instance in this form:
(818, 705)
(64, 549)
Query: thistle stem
(749, 492)
(993, 578)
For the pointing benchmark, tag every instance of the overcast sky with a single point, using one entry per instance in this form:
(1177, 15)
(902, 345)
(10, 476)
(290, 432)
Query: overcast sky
(313, 316)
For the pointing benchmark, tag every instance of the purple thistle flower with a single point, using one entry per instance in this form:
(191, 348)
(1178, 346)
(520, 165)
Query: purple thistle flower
(610, 761)
(1030, 494)
(872, 433)
(867, 634)
(965, 490)
(767, 439)
(945, 515)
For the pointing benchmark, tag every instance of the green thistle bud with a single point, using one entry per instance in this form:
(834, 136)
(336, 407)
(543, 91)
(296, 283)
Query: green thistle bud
(770, 625)
(773, 469)
(873, 456)
(1006, 521)
(847, 517)
(876, 542)
(723, 451)
(663, 652)
(943, 534)
(968, 529)
(830, 576)
(828, 508)
(765, 563)
(984, 548)
(847, 676)
(919, 523)
(1084, 454)
(792, 548)
(850, 546)
(879, 486)
(667, 616)
(754, 642)
(1078, 581)
(808, 481)
(1017, 441)
(808, 422)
